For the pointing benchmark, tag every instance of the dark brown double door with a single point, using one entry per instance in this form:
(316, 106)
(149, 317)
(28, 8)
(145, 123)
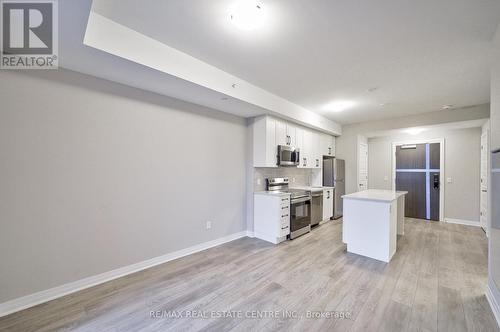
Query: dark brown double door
(418, 173)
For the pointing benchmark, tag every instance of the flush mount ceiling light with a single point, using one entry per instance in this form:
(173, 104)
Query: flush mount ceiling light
(339, 105)
(447, 107)
(247, 15)
(414, 131)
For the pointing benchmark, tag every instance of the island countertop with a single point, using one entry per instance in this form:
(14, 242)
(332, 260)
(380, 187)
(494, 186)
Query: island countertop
(376, 195)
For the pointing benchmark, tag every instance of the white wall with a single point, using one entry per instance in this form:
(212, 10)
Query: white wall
(346, 145)
(462, 165)
(494, 239)
(95, 176)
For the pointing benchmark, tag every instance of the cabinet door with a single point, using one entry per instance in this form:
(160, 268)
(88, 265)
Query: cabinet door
(299, 143)
(333, 145)
(308, 149)
(315, 150)
(271, 147)
(281, 133)
(324, 144)
(291, 131)
(327, 204)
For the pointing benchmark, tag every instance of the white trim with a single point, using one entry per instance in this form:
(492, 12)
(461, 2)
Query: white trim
(31, 300)
(442, 142)
(462, 222)
(268, 238)
(491, 295)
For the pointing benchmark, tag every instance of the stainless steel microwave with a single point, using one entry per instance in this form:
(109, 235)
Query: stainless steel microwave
(288, 155)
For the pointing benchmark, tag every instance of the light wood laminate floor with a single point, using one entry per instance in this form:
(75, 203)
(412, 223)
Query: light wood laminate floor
(435, 282)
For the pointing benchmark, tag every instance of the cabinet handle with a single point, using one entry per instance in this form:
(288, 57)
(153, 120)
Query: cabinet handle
(284, 207)
(284, 227)
(329, 151)
(285, 215)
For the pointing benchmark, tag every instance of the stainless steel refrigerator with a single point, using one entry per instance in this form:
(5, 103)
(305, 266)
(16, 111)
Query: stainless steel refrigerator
(334, 176)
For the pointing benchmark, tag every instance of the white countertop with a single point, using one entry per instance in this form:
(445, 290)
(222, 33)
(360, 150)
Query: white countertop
(271, 193)
(311, 189)
(376, 195)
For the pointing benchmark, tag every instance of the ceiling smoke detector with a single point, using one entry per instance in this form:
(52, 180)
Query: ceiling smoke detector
(447, 107)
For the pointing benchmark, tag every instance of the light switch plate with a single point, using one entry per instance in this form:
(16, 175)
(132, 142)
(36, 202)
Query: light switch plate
(386, 178)
(449, 180)
(258, 182)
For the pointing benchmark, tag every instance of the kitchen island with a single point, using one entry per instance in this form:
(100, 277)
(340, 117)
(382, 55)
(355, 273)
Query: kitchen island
(372, 221)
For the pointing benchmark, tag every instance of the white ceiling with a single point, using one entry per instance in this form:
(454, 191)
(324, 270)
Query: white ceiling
(419, 54)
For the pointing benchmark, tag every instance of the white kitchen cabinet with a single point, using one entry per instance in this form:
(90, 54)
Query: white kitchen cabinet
(265, 149)
(285, 133)
(317, 158)
(299, 143)
(327, 145)
(311, 153)
(328, 203)
(281, 134)
(271, 216)
(269, 132)
(307, 154)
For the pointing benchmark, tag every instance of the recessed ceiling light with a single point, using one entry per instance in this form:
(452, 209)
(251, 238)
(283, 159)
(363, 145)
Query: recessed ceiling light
(414, 131)
(447, 107)
(339, 105)
(247, 15)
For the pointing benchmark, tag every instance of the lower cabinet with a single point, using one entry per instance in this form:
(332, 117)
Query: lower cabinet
(271, 213)
(327, 203)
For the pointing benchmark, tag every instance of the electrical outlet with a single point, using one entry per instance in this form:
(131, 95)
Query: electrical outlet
(449, 180)
(293, 179)
(386, 178)
(209, 224)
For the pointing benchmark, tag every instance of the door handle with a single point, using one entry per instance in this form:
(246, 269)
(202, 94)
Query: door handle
(436, 181)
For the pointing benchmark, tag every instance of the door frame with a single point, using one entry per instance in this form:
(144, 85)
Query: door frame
(358, 154)
(442, 183)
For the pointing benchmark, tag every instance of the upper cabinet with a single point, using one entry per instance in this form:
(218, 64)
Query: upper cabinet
(311, 149)
(327, 145)
(265, 147)
(285, 133)
(268, 133)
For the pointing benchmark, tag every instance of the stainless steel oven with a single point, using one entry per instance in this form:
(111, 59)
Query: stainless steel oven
(300, 205)
(288, 155)
(300, 215)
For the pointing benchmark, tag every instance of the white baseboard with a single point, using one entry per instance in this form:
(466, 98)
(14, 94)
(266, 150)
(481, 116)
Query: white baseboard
(462, 222)
(250, 234)
(492, 295)
(31, 300)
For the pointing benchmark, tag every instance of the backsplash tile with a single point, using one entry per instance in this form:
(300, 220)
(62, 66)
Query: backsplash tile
(302, 176)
